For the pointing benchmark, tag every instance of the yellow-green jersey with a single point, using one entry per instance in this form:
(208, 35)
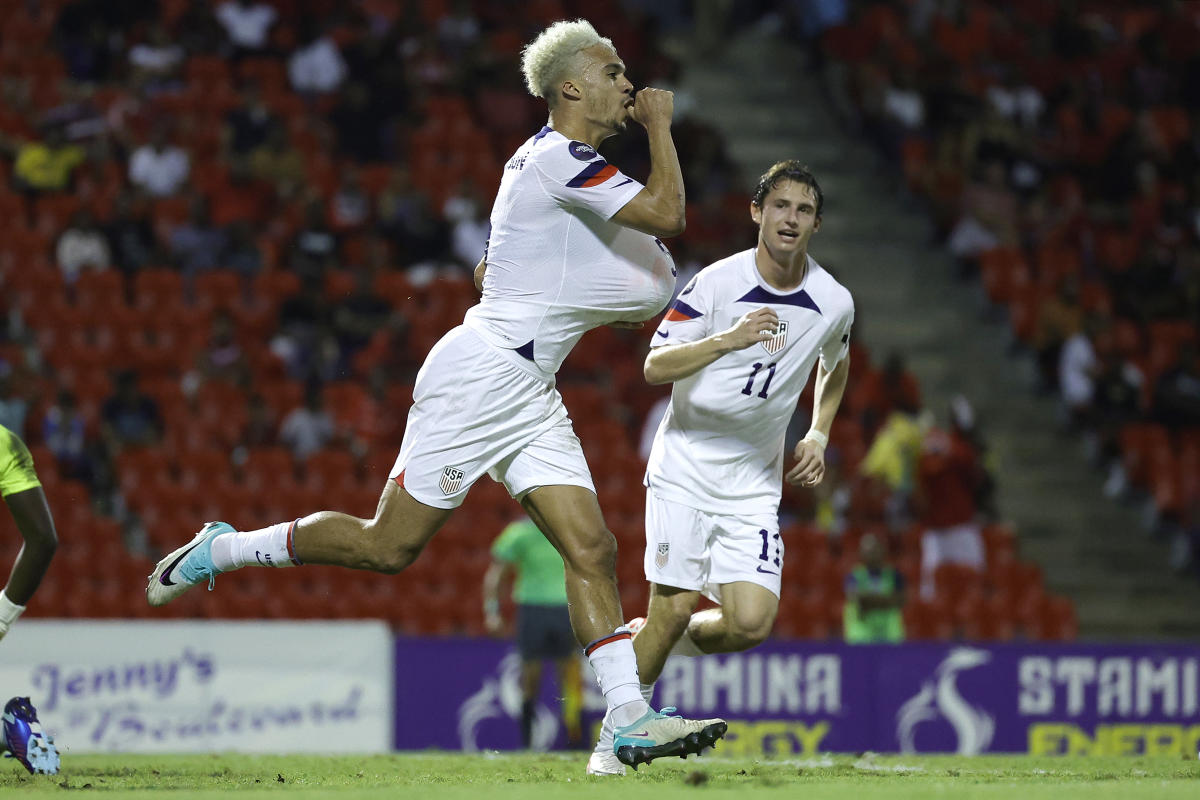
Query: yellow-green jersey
(16, 465)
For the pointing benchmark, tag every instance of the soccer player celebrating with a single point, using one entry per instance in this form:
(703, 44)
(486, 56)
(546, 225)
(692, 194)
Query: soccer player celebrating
(20, 732)
(739, 344)
(573, 246)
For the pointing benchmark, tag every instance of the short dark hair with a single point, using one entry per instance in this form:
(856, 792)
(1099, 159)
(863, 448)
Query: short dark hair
(789, 170)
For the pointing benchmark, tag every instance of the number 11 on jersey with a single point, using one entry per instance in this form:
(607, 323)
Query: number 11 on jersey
(749, 388)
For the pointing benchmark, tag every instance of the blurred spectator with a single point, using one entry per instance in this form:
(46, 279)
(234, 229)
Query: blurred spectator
(1177, 391)
(129, 417)
(64, 432)
(1015, 99)
(242, 254)
(947, 485)
(1116, 401)
(247, 24)
(874, 597)
(1076, 366)
(197, 244)
(459, 31)
(388, 351)
(222, 358)
(470, 225)
(259, 430)
(1059, 318)
(14, 405)
(316, 66)
(422, 238)
(279, 163)
(249, 124)
(893, 454)
(159, 167)
(76, 114)
(314, 247)
(359, 315)
(350, 206)
(303, 318)
(198, 30)
(307, 428)
(82, 245)
(373, 422)
(130, 233)
(832, 495)
(989, 214)
(157, 63)
(47, 165)
(357, 122)
(397, 204)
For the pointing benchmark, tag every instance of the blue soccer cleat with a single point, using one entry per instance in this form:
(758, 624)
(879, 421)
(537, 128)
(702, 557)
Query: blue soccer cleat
(660, 733)
(187, 566)
(25, 739)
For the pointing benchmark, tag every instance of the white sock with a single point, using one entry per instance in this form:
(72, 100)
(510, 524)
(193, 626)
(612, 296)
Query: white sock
(615, 665)
(605, 742)
(265, 547)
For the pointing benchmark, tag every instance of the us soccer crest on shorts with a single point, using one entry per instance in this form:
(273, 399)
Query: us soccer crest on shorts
(664, 552)
(452, 478)
(776, 342)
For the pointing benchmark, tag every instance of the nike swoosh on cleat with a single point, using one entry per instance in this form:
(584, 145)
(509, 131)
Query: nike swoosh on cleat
(661, 333)
(767, 571)
(163, 578)
(642, 733)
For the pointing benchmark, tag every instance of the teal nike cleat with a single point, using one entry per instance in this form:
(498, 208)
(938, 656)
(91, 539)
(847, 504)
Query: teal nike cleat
(661, 733)
(187, 566)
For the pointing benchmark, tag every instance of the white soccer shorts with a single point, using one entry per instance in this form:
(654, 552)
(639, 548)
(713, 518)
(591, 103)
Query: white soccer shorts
(475, 411)
(691, 549)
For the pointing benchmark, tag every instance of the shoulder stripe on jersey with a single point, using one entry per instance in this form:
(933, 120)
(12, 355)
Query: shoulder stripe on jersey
(681, 310)
(593, 174)
(761, 295)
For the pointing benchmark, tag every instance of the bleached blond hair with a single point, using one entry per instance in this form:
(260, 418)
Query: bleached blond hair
(546, 60)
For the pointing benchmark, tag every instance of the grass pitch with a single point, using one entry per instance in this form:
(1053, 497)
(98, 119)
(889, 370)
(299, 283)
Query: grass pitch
(497, 776)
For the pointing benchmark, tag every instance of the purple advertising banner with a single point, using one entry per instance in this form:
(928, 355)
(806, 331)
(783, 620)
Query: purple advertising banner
(807, 697)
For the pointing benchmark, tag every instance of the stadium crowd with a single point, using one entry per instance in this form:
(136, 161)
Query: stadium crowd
(1057, 148)
(232, 230)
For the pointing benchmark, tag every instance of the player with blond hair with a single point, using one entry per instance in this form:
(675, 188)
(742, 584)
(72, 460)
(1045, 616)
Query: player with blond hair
(574, 245)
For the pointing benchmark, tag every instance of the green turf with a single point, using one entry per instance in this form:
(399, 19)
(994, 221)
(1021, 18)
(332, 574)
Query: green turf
(498, 777)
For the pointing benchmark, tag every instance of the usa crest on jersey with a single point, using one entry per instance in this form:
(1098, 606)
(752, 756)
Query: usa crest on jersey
(451, 479)
(664, 552)
(776, 342)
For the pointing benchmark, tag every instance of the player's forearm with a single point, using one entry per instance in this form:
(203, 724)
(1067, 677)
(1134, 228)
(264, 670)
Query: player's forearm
(676, 362)
(665, 184)
(827, 394)
(32, 515)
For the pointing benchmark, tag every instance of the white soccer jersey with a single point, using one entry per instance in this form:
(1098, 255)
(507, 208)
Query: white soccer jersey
(556, 265)
(720, 446)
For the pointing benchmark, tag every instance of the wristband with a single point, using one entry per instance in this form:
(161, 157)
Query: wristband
(815, 435)
(9, 611)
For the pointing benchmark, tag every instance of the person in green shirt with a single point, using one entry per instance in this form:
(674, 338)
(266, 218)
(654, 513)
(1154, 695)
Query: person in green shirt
(543, 627)
(20, 732)
(874, 598)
